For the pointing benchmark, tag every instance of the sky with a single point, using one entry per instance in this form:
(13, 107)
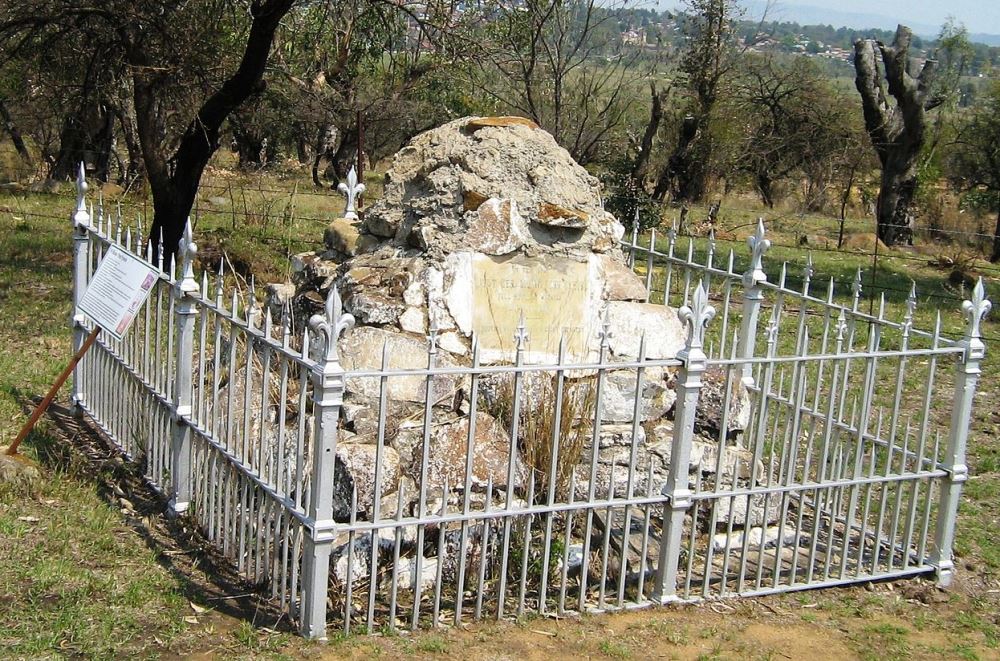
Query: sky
(924, 16)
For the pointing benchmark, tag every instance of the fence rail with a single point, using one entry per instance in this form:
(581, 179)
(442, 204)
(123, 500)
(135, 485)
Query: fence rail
(792, 443)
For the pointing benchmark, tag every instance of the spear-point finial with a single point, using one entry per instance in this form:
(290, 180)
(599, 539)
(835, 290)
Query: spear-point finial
(758, 245)
(187, 249)
(81, 218)
(351, 190)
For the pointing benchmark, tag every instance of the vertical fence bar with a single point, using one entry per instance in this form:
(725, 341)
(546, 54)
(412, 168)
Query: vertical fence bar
(186, 291)
(677, 488)
(81, 272)
(753, 294)
(328, 396)
(966, 377)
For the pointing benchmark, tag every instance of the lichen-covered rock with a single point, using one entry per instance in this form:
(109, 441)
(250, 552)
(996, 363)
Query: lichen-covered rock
(361, 349)
(354, 469)
(631, 322)
(438, 193)
(447, 452)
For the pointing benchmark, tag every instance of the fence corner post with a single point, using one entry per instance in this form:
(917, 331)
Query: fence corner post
(328, 396)
(185, 290)
(696, 317)
(966, 378)
(753, 294)
(81, 272)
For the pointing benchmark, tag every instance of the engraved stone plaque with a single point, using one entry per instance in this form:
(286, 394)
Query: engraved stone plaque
(556, 295)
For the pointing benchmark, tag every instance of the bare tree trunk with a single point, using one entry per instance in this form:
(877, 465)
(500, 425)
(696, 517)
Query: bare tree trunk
(174, 181)
(86, 135)
(896, 130)
(766, 188)
(135, 170)
(14, 133)
(898, 188)
(326, 139)
(679, 176)
(652, 128)
(844, 199)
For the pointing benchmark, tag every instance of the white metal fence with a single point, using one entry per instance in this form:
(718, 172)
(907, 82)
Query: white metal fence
(792, 443)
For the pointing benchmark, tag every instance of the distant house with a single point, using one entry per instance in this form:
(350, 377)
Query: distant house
(633, 38)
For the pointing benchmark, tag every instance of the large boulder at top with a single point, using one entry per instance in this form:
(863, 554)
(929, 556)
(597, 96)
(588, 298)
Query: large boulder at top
(486, 221)
(493, 185)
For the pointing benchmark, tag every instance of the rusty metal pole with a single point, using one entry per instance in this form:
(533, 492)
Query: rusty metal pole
(44, 405)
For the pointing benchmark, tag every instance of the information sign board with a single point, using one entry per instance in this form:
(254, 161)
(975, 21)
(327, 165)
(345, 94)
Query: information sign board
(117, 290)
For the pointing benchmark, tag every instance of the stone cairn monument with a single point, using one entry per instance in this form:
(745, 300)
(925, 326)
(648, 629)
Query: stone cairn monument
(489, 229)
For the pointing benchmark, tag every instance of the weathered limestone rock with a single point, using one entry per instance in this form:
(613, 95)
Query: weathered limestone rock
(447, 453)
(763, 510)
(630, 322)
(413, 320)
(361, 349)
(442, 180)
(342, 236)
(708, 417)
(496, 228)
(618, 396)
(556, 216)
(757, 538)
(279, 295)
(453, 343)
(620, 282)
(370, 307)
(354, 469)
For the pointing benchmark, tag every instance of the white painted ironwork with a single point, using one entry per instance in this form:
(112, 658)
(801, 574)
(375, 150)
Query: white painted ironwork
(784, 464)
(351, 190)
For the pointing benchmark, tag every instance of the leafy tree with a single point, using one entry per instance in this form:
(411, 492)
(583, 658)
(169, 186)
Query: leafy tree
(710, 53)
(188, 67)
(975, 160)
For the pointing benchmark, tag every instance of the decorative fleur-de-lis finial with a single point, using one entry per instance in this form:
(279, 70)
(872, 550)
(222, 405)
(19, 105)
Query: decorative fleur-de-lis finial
(521, 334)
(696, 316)
(604, 334)
(841, 327)
(758, 245)
(187, 249)
(975, 311)
(331, 325)
(771, 335)
(80, 216)
(351, 190)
